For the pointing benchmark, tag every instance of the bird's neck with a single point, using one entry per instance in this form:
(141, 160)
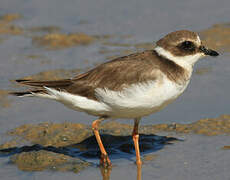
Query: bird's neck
(187, 62)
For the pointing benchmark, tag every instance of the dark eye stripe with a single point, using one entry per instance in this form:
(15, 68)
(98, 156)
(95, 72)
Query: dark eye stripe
(187, 46)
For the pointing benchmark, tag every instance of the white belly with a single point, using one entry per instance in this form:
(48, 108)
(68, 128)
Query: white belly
(138, 100)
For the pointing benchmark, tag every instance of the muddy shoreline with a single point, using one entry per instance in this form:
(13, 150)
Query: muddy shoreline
(71, 147)
(51, 144)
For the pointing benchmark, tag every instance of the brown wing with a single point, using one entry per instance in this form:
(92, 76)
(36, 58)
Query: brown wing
(113, 75)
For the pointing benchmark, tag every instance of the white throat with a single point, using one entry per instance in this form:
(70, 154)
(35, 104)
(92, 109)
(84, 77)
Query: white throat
(186, 62)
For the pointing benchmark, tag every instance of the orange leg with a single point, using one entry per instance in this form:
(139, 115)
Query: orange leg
(105, 161)
(135, 140)
(138, 171)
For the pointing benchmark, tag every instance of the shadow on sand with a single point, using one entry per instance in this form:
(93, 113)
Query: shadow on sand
(116, 146)
(37, 157)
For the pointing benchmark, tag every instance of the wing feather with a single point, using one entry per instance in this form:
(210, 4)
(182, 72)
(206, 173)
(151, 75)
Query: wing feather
(114, 75)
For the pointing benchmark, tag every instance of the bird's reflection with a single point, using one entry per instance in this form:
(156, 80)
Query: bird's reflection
(139, 172)
(105, 172)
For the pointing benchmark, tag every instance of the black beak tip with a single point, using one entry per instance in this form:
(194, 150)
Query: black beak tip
(213, 53)
(209, 52)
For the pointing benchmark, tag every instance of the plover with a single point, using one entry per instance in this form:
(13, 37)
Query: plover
(128, 87)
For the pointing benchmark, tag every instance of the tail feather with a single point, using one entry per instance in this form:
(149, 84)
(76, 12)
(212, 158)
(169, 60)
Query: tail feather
(54, 84)
(41, 87)
(27, 93)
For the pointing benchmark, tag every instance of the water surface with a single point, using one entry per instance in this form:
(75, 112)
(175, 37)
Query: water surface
(126, 22)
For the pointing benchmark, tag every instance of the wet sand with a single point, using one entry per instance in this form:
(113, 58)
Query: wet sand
(58, 41)
(71, 147)
(6, 26)
(41, 138)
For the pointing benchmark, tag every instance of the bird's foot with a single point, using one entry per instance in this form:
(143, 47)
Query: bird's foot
(105, 161)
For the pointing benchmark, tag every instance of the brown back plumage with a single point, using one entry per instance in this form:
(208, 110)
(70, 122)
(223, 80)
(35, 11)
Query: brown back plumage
(116, 74)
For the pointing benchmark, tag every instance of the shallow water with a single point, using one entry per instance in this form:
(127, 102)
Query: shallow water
(124, 22)
(197, 157)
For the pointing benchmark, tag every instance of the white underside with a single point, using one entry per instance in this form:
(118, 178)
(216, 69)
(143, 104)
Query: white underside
(136, 101)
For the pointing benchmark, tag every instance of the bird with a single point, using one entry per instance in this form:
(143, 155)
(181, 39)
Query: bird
(128, 87)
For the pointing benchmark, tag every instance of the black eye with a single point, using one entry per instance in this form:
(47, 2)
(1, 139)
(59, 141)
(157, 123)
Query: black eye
(187, 46)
